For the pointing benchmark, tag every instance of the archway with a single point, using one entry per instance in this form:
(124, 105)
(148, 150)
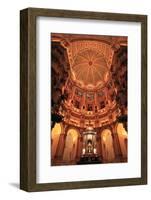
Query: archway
(107, 146)
(122, 135)
(70, 146)
(55, 134)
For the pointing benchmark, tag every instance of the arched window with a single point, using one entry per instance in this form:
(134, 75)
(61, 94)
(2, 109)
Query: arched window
(122, 135)
(70, 146)
(107, 146)
(55, 134)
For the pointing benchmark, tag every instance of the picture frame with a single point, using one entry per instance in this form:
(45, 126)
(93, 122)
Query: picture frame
(28, 99)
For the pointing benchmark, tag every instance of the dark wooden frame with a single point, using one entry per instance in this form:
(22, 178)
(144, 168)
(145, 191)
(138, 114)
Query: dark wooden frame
(28, 98)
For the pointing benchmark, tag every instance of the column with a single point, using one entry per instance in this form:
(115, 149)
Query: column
(116, 145)
(107, 96)
(72, 96)
(83, 101)
(79, 148)
(99, 147)
(95, 100)
(60, 147)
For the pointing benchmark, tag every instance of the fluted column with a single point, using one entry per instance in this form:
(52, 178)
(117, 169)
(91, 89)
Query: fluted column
(60, 147)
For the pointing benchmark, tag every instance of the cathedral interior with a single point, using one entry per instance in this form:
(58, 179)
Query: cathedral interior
(88, 99)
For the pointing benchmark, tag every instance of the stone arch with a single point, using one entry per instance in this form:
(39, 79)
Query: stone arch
(108, 154)
(55, 134)
(123, 138)
(105, 127)
(71, 127)
(70, 149)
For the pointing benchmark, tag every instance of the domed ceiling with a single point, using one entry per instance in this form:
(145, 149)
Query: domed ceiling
(90, 62)
(89, 90)
(90, 58)
(89, 68)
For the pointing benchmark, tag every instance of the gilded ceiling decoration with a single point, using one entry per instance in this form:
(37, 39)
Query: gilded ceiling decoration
(90, 58)
(99, 46)
(90, 90)
(90, 68)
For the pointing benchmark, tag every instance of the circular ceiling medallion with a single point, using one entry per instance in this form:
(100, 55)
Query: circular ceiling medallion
(89, 68)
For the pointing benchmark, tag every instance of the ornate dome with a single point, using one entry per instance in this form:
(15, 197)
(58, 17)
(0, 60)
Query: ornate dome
(90, 68)
(89, 94)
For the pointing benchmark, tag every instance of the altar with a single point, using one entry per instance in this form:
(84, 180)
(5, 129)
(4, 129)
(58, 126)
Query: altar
(89, 148)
